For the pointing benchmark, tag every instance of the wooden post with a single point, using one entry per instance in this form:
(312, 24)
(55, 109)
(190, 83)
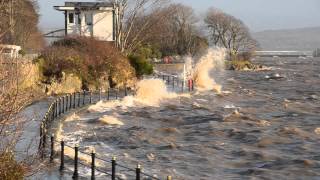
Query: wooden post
(62, 156)
(67, 102)
(90, 98)
(74, 100)
(138, 172)
(52, 148)
(70, 105)
(75, 173)
(113, 168)
(108, 96)
(79, 99)
(56, 108)
(84, 97)
(93, 166)
(63, 106)
(59, 106)
(182, 86)
(173, 83)
(100, 94)
(125, 91)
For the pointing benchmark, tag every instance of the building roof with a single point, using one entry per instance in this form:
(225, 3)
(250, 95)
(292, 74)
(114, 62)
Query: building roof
(85, 6)
(88, 4)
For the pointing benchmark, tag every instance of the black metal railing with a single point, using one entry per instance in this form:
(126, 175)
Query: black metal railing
(68, 102)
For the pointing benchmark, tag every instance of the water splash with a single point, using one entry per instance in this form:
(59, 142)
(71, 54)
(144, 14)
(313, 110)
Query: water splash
(214, 59)
(152, 92)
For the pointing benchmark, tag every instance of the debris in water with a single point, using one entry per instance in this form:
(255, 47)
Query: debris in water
(111, 120)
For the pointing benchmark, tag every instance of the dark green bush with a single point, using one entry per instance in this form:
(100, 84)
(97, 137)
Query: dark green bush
(141, 65)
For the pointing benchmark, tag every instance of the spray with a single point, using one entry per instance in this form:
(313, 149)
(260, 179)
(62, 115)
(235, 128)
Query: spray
(214, 59)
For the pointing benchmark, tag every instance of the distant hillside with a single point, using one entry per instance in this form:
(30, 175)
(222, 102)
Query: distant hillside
(304, 39)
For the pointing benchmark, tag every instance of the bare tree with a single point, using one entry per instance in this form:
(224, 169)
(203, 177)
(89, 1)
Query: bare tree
(128, 13)
(229, 32)
(18, 24)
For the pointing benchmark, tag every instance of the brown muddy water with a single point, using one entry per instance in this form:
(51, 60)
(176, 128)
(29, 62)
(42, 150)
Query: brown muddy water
(266, 127)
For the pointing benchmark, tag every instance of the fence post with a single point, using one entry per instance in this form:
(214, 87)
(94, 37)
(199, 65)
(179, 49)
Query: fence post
(44, 139)
(63, 104)
(56, 108)
(75, 173)
(173, 83)
(125, 91)
(52, 148)
(192, 85)
(74, 100)
(182, 86)
(84, 97)
(90, 102)
(117, 94)
(67, 102)
(168, 79)
(59, 106)
(108, 98)
(79, 99)
(99, 94)
(113, 168)
(169, 178)
(62, 156)
(163, 78)
(93, 166)
(70, 104)
(138, 172)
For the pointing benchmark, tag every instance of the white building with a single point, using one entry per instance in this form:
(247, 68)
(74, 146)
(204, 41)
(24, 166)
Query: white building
(93, 19)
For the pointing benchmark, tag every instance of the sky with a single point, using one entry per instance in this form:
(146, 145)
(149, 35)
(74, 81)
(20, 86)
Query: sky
(259, 15)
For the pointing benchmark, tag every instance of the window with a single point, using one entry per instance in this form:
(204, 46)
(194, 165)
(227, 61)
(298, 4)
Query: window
(88, 18)
(71, 18)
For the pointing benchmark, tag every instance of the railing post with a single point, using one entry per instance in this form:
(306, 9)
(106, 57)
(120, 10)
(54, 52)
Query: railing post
(67, 102)
(70, 105)
(163, 78)
(182, 86)
(125, 91)
(113, 168)
(168, 79)
(63, 104)
(93, 166)
(84, 97)
(44, 138)
(52, 148)
(90, 102)
(192, 85)
(75, 173)
(62, 156)
(138, 172)
(56, 108)
(60, 106)
(79, 99)
(99, 94)
(108, 96)
(74, 100)
(173, 83)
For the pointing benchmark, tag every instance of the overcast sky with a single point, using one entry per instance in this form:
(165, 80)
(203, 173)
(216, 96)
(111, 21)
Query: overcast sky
(257, 14)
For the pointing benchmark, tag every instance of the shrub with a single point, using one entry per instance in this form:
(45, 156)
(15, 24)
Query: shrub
(141, 65)
(89, 59)
(10, 169)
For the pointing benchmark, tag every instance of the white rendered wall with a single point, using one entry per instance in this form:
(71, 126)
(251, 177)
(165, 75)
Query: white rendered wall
(103, 25)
